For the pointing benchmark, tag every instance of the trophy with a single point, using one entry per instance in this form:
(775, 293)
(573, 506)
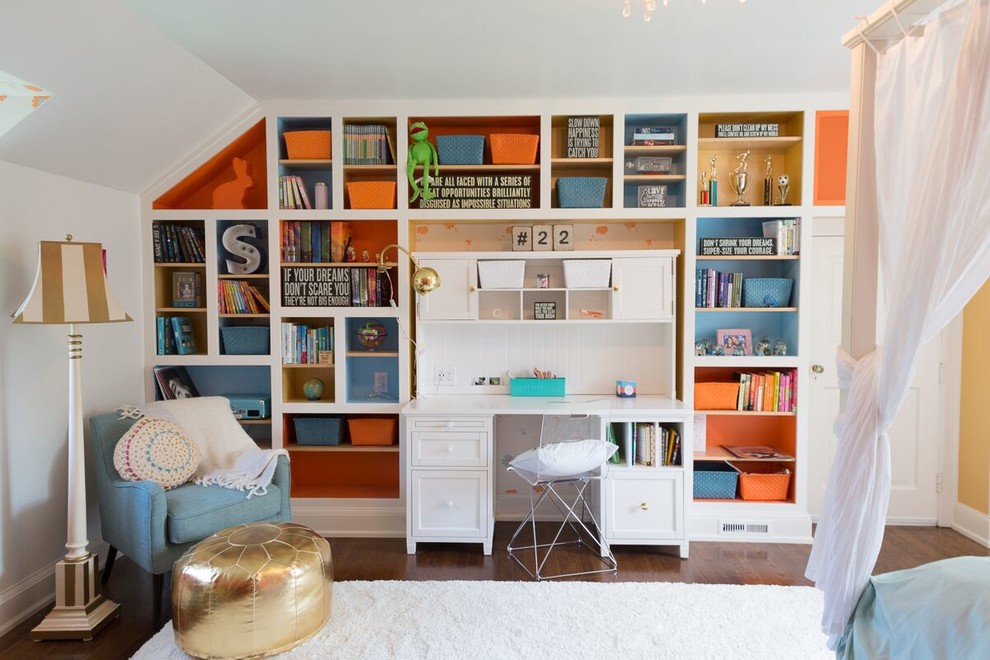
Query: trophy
(713, 182)
(703, 199)
(740, 179)
(783, 185)
(768, 182)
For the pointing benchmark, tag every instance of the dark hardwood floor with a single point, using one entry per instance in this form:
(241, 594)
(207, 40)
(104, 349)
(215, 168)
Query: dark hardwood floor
(386, 559)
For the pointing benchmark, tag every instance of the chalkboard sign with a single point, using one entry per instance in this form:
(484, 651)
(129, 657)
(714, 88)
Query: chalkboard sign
(582, 137)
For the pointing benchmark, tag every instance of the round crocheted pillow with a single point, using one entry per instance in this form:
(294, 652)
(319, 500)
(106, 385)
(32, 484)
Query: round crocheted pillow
(156, 450)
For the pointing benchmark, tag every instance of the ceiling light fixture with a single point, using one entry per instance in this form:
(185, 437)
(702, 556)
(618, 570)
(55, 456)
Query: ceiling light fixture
(650, 6)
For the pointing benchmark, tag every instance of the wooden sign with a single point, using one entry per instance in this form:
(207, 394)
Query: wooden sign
(469, 191)
(316, 286)
(542, 238)
(582, 137)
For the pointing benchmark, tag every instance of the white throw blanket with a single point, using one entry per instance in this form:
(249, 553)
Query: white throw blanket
(229, 457)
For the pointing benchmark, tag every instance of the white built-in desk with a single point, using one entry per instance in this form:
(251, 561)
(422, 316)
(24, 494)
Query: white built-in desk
(451, 442)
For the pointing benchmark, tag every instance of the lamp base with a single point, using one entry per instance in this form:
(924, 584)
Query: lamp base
(80, 609)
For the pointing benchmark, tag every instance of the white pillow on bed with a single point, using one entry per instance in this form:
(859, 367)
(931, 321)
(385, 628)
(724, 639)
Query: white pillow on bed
(564, 459)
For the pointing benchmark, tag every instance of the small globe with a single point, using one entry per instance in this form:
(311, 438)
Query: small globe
(371, 335)
(313, 389)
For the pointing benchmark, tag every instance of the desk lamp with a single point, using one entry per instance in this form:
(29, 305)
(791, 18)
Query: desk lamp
(70, 287)
(424, 279)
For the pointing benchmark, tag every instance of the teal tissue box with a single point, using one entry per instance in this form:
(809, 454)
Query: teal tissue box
(537, 386)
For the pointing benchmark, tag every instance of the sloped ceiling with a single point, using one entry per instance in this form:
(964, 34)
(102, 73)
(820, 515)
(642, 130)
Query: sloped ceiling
(139, 84)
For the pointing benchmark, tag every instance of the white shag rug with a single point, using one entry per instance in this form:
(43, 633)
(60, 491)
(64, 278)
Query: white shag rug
(466, 620)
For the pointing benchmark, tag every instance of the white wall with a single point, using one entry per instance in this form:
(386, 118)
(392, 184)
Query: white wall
(34, 371)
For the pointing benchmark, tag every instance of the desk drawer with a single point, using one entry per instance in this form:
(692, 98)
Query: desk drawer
(449, 503)
(449, 448)
(451, 423)
(644, 504)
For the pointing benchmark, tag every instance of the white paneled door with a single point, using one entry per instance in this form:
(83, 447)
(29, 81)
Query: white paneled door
(915, 436)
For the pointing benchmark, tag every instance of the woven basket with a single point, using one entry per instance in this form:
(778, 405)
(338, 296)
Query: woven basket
(767, 291)
(327, 431)
(715, 481)
(716, 396)
(514, 148)
(245, 339)
(307, 145)
(373, 430)
(587, 273)
(581, 192)
(371, 194)
(501, 274)
(461, 149)
(763, 481)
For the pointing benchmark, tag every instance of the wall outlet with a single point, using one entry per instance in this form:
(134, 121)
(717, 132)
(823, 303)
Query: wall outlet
(446, 376)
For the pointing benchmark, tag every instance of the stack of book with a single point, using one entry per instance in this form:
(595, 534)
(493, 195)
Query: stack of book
(767, 391)
(240, 297)
(367, 145)
(303, 344)
(175, 335)
(292, 193)
(786, 233)
(653, 136)
(319, 241)
(717, 289)
(175, 243)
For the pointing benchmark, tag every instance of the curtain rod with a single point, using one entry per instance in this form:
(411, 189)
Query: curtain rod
(882, 25)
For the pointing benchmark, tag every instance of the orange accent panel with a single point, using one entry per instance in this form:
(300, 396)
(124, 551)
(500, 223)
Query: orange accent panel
(831, 145)
(196, 190)
(777, 431)
(344, 474)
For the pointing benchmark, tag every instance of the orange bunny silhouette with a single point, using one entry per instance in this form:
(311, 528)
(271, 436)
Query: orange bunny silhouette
(230, 195)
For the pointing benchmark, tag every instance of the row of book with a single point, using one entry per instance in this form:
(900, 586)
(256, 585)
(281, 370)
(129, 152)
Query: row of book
(303, 344)
(367, 145)
(318, 241)
(292, 193)
(717, 289)
(645, 443)
(175, 335)
(175, 243)
(652, 136)
(787, 233)
(768, 391)
(240, 297)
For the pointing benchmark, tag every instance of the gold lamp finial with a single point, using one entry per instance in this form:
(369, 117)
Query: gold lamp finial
(424, 278)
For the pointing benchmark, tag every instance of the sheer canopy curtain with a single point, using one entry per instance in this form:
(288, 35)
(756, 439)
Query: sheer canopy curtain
(932, 128)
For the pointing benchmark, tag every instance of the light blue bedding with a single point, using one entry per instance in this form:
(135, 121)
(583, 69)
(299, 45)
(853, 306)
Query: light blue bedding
(939, 610)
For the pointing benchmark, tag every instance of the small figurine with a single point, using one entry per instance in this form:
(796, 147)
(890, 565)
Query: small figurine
(351, 254)
(763, 346)
(738, 350)
(700, 348)
(365, 256)
(779, 347)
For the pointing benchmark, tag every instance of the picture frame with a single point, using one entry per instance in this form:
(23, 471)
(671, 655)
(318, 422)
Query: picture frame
(545, 311)
(731, 339)
(175, 383)
(184, 288)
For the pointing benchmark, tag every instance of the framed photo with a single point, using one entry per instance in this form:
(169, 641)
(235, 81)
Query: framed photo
(175, 383)
(734, 339)
(184, 288)
(545, 311)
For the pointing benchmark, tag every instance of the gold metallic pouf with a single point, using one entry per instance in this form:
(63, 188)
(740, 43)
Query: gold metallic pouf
(251, 590)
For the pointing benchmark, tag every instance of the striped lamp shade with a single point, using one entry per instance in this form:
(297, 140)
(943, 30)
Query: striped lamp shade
(70, 287)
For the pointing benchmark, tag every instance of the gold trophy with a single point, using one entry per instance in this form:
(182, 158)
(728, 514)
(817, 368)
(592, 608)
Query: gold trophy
(783, 185)
(740, 179)
(768, 181)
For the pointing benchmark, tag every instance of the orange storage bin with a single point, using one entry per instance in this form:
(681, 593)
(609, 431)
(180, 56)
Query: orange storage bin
(307, 145)
(765, 482)
(373, 430)
(716, 396)
(513, 148)
(371, 194)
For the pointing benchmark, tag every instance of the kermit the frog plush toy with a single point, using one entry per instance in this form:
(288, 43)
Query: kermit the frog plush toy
(421, 152)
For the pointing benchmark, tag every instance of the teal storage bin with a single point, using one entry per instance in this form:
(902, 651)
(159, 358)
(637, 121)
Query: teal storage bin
(537, 386)
(715, 481)
(326, 431)
(245, 339)
(767, 291)
(581, 192)
(461, 149)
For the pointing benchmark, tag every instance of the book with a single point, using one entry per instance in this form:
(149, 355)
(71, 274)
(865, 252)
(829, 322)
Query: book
(185, 342)
(184, 287)
(757, 452)
(174, 383)
(653, 136)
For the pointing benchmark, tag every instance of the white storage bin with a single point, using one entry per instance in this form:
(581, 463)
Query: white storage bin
(587, 273)
(501, 274)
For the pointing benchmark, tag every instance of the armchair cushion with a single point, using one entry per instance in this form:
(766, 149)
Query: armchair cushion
(196, 511)
(156, 450)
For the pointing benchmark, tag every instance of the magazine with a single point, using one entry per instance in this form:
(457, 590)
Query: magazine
(757, 452)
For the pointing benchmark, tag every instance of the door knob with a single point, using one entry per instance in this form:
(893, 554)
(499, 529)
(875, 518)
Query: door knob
(644, 506)
(817, 368)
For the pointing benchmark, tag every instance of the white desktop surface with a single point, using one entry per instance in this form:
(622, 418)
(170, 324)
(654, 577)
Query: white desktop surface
(503, 404)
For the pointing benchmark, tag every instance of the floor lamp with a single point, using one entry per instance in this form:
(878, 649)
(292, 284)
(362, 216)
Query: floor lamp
(70, 287)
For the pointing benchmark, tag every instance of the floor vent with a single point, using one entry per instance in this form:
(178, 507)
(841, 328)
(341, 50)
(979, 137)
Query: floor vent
(748, 528)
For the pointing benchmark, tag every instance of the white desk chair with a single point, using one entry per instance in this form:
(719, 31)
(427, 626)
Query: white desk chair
(571, 455)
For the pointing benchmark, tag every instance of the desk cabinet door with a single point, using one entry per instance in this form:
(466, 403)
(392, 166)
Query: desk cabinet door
(449, 503)
(644, 504)
(643, 289)
(457, 297)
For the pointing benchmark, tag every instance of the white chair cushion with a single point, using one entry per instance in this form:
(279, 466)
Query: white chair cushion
(156, 450)
(564, 459)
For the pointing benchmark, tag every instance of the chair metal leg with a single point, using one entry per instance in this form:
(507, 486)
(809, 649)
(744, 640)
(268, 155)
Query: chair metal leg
(108, 566)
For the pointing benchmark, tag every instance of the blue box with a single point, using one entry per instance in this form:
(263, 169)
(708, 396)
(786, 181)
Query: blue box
(537, 386)
(244, 339)
(461, 149)
(715, 481)
(581, 192)
(326, 431)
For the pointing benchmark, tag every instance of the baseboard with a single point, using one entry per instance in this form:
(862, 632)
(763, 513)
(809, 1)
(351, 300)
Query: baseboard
(26, 597)
(752, 524)
(351, 518)
(971, 523)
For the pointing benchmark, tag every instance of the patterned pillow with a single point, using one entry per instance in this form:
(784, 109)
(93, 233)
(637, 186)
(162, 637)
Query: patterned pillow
(156, 450)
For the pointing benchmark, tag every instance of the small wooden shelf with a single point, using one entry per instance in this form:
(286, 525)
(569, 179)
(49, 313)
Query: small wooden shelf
(372, 354)
(657, 150)
(748, 413)
(745, 309)
(251, 276)
(306, 163)
(762, 144)
(307, 366)
(654, 178)
(345, 447)
(579, 163)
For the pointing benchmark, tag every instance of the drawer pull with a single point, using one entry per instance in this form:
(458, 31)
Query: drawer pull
(644, 506)
(449, 449)
(450, 424)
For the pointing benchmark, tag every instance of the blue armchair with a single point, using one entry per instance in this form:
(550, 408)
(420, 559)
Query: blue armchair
(153, 526)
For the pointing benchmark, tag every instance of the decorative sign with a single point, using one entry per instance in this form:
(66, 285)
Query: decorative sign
(316, 286)
(545, 311)
(652, 197)
(235, 243)
(563, 237)
(738, 247)
(522, 238)
(747, 130)
(542, 238)
(582, 137)
(469, 191)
